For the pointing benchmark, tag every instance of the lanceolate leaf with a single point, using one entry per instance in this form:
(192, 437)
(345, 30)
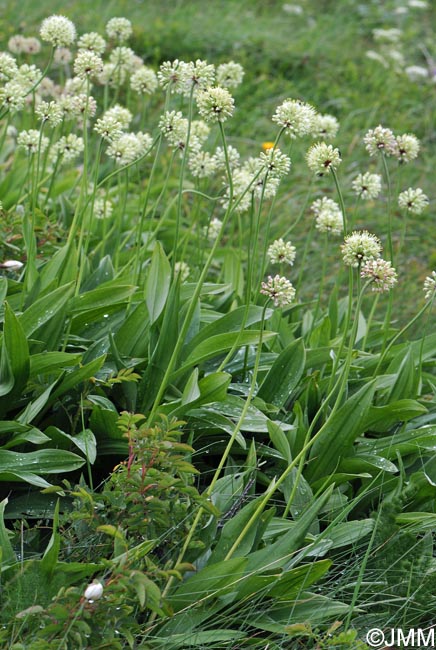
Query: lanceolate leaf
(284, 374)
(158, 283)
(339, 433)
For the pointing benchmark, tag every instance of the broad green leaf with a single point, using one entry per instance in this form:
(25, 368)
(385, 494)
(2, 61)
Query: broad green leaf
(158, 283)
(284, 375)
(51, 554)
(220, 343)
(131, 338)
(43, 309)
(231, 322)
(405, 380)
(74, 378)
(292, 583)
(336, 437)
(6, 375)
(47, 362)
(421, 440)
(103, 296)
(209, 583)
(231, 531)
(43, 461)
(35, 407)
(383, 418)
(279, 440)
(18, 476)
(280, 553)
(7, 555)
(18, 351)
(192, 391)
(85, 441)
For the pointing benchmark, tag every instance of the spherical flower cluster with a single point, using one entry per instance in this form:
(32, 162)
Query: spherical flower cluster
(109, 128)
(242, 181)
(58, 30)
(215, 104)
(19, 44)
(49, 112)
(325, 126)
(12, 96)
(212, 231)
(380, 139)
(124, 59)
(322, 158)
(143, 81)
(125, 149)
(175, 128)
(102, 208)
(30, 141)
(430, 285)
(62, 56)
(76, 105)
(119, 29)
(202, 164)
(8, 66)
(197, 76)
(407, 148)
(182, 269)
(67, 148)
(329, 217)
(391, 35)
(275, 162)
(121, 114)
(87, 64)
(381, 274)
(296, 117)
(171, 75)
(414, 200)
(93, 42)
(27, 76)
(112, 75)
(232, 155)
(229, 75)
(359, 247)
(367, 185)
(281, 252)
(278, 289)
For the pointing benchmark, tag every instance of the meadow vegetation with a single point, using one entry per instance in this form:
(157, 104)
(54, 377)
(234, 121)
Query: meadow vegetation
(217, 347)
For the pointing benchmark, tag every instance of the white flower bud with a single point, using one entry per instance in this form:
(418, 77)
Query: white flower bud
(93, 591)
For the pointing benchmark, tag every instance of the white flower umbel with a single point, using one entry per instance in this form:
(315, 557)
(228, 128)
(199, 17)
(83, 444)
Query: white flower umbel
(325, 127)
(229, 75)
(329, 216)
(143, 81)
(296, 117)
(212, 231)
(276, 163)
(30, 141)
(121, 114)
(380, 139)
(278, 289)
(359, 247)
(280, 252)
(67, 148)
(322, 158)
(49, 112)
(407, 148)
(109, 128)
(93, 42)
(87, 64)
(8, 66)
(58, 30)
(367, 185)
(381, 273)
(215, 104)
(202, 164)
(414, 200)
(182, 269)
(119, 29)
(430, 285)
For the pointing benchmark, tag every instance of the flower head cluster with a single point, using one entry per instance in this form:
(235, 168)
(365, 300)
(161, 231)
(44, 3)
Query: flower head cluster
(93, 42)
(281, 252)
(67, 148)
(407, 148)
(119, 29)
(322, 158)
(87, 64)
(367, 185)
(215, 104)
(229, 75)
(124, 60)
(31, 140)
(182, 269)
(62, 56)
(430, 285)
(329, 216)
(49, 112)
(121, 114)
(381, 274)
(58, 30)
(171, 75)
(275, 163)
(202, 164)
(8, 66)
(109, 128)
(212, 231)
(278, 289)
(143, 81)
(325, 127)
(232, 155)
(12, 96)
(102, 208)
(242, 181)
(19, 44)
(414, 200)
(197, 76)
(296, 117)
(175, 128)
(380, 139)
(128, 147)
(359, 247)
